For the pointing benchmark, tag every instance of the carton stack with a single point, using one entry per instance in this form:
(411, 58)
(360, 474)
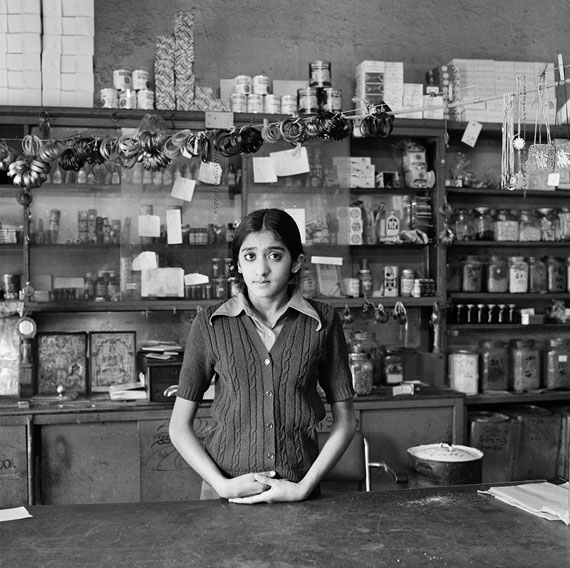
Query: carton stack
(164, 95)
(354, 172)
(184, 60)
(20, 49)
(67, 53)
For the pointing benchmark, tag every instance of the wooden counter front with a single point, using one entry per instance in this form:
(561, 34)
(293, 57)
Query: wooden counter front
(424, 527)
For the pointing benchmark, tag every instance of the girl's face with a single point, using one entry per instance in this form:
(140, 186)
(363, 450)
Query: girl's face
(266, 265)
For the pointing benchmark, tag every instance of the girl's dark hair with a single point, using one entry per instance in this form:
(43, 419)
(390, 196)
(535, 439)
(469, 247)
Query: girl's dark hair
(280, 223)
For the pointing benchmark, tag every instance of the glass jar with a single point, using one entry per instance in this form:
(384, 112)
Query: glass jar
(472, 274)
(407, 279)
(493, 365)
(482, 224)
(361, 370)
(454, 271)
(564, 218)
(568, 274)
(392, 367)
(555, 274)
(497, 275)
(463, 371)
(505, 226)
(365, 342)
(462, 225)
(536, 276)
(529, 226)
(518, 275)
(524, 365)
(557, 364)
(547, 223)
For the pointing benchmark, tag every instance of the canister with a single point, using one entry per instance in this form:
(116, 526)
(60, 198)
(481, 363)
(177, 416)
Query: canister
(145, 99)
(320, 74)
(272, 104)
(261, 85)
(493, 365)
(109, 98)
(128, 99)
(307, 102)
(557, 364)
(537, 281)
(472, 274)
(330, 100)
(497, 275)
(361, 370)
(363, 341)
(140, 80)
(463, 371)
(122, 79)
(238, 102)
(555, 274)
(254, 103)
(524, 365)
(11, 284)
(288, 104)
(243, 84)
(518, 275)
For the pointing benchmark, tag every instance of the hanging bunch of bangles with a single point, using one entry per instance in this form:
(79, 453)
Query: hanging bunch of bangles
(155, 149)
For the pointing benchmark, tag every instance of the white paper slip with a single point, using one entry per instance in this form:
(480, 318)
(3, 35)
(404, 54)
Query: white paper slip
(14, 514)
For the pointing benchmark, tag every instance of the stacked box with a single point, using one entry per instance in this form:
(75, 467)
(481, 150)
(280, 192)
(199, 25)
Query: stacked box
(20, 53)
(350, 226)
(165, 97)
(184, 60)
(204, 100)
(433, 107)
(413, 99)
(67, 53)
(354, 172)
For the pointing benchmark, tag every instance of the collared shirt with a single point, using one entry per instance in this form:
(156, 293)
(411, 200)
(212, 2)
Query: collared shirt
(239, 303)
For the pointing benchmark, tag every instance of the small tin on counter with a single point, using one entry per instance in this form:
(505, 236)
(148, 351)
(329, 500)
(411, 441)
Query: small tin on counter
(109, 98)
(145, 99)
(307, 101)
(122, 79)
(320, 74)
(140, 80)
(238, 102)
(288, 104)
(254, 103)
(243, 84)
(261, 85)
(272, 104)
(128, 99)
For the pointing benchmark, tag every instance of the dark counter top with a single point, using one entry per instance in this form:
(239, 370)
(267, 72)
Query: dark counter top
(454, 527)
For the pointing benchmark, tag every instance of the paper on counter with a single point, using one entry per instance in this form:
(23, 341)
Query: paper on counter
(544, 500)
(14, 514)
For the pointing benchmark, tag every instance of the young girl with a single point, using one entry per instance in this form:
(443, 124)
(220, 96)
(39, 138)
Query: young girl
(268, 348)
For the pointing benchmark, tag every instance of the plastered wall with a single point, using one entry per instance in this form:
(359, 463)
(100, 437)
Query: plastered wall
(279, 38)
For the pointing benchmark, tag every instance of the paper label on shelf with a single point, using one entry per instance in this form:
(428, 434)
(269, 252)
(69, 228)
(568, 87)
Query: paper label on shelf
(210, 173)
(336, 260)
(195, 278)
(145, 260)
(291, 162)
(263, 171)
(183, 188)
(174, 226)
(553, 179)
(471, 133)
(299, 217)
(149, 226)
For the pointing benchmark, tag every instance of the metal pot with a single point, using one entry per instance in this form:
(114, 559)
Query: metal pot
(446, 464)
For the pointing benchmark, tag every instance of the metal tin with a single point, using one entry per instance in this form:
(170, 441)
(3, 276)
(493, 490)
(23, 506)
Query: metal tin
(288, 104)
(307, 101)
(272, 104)
(463, 371)
(128, 99)
(11, 286)
(254, 103)
(243, 84)
(320, 74)
(407, 279)
(238, 102)
(261, 85)
(140, 80)
(145, 99)
(122, 79)
(330, 99)
(109, 98)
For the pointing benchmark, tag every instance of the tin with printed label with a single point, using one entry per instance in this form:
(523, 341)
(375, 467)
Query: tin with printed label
(238, 102)
(272, 104)
(261, 85)
(145, 99)
(122, 79)
(307, 101)
(140, 80)
(254, 103)
(243, 84)
(288, 104)
(109, 98)
(128, 99)
(320, 74)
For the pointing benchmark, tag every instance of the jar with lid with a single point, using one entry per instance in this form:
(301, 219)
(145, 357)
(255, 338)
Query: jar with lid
(568, 274)
(463, 371)
(518, 275)
(362, 341)
(462, 227)
(407, 279)
(497, 274)
(529, 226)
(557, 364)
(361, 370)
(454, 272)
(472, 274)
(392, 367)
(482, 229)
(536, 276)
(555, 274)
(564, 218)
(493, 365)
(548, 224)
(505, 226)
(524, 365)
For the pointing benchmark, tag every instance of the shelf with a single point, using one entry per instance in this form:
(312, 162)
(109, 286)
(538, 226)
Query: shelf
(387, 302)
(474, 192)
(517, 398)
(457, 327)
(481, 297)
(500, 244)
(173, 304)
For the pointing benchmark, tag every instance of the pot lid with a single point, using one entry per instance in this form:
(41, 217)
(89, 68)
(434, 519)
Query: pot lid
(445, 452)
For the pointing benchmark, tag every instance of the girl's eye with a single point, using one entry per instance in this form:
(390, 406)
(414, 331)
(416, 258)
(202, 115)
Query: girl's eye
(248, 256)
(275, 256)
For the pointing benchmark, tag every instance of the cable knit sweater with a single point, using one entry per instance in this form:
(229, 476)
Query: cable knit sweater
(266, 406)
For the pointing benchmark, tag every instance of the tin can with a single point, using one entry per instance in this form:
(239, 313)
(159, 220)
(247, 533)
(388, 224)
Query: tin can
(463, 371)
(272, 104)
(122, 79)
(254, 103)
(243, 84)
(261, 85)
(127, 99)
(109, 98)
(145, 99)
(320, 74)
(330, 99)
(238, 102)
(140, 80)
(288, 104)
(407, 279)
(11, 286)
(307, 102)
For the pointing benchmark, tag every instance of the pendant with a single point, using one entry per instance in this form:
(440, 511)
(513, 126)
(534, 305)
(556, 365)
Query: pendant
(518, 143)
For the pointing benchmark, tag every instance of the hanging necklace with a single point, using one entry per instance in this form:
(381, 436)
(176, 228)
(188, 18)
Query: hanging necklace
(508, 176)
(519, 142)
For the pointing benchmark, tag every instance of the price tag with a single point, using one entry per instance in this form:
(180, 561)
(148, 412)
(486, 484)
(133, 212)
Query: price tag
(210, 173)
(553, 179)
(471, 133)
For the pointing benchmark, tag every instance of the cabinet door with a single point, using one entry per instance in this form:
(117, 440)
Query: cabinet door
(90, 463)
(13, 465)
